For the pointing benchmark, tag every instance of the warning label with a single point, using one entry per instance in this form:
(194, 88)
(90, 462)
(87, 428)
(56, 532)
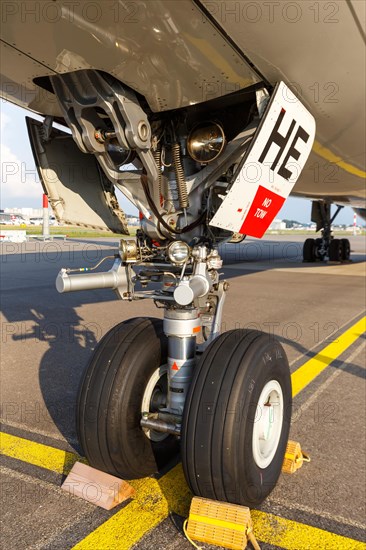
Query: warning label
(265, 206)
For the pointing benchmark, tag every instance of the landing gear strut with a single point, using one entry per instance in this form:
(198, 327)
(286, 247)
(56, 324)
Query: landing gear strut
(153, 386)
(326, 247)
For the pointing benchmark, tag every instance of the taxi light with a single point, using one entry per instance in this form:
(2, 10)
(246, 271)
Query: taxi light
(178, 252)
(206, 142)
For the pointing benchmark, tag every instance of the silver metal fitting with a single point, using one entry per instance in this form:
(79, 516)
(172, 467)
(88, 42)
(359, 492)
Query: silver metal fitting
(191, 288)
(214, 260)
(200, 253)
(161, 422)
(182, 323)
(181, 363)
(181, 327)
(115, 278)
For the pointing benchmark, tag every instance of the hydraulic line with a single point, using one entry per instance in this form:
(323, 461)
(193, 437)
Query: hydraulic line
(179, 174)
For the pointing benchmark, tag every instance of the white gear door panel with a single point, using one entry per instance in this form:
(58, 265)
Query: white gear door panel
(271, 168)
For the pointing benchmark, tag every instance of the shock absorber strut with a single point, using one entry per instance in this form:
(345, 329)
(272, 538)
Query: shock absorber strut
(181, 327)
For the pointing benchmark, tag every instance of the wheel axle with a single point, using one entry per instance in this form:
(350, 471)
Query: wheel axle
(160, 422)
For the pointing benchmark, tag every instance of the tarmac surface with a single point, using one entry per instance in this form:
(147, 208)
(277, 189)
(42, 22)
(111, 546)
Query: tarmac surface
(47, 339)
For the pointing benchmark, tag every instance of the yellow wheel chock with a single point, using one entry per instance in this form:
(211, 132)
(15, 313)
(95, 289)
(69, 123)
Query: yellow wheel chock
(220, 524)
(294, 457)
(230, 525)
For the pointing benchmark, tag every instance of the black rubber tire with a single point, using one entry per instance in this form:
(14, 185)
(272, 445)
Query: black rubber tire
(346, 249)
(217, 429)
(309, 250)
(110, 399)
(335, 250)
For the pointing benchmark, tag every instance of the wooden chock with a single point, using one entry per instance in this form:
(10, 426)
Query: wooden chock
(97, 487)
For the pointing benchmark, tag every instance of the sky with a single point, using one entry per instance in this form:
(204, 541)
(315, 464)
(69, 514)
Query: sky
(20, 186)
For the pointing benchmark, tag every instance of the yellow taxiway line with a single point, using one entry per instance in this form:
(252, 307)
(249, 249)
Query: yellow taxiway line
(292, 535)
(315, 366)
(156, 498)
(50, 458)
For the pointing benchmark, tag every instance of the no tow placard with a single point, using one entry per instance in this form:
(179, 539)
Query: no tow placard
(271, 168)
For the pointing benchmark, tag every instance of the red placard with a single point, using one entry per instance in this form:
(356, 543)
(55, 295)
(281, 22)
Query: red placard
(262, 212)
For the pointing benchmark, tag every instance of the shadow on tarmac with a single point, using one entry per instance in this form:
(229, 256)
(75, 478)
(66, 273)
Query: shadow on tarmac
(33, 300)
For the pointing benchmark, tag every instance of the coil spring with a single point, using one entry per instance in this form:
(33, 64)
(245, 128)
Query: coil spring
(179, 174)
(157, 158)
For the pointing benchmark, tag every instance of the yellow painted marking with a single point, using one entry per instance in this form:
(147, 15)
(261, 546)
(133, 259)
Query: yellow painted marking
(292, 535)
(315, 366)
(37, 454)
(331, 157)
(154, 500)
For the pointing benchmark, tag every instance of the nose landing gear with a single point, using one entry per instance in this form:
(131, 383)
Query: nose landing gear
(155, 386)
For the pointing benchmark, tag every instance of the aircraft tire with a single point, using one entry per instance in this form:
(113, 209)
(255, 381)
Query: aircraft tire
(223, 454)
(346, 249)
(308, 251)
(129, 360)
(336, 250)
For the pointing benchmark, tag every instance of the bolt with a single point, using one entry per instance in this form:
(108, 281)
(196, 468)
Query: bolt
(143, 130)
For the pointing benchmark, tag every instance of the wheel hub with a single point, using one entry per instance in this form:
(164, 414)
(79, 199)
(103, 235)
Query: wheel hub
(155, 397)
(267, 424)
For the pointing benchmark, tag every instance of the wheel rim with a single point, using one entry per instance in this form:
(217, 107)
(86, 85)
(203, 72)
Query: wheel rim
(267, 424)
(319, 249)
(155, 395)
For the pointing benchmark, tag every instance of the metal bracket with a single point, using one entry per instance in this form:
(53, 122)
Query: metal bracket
(212, 323)
(47, 128)
(83, 95)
